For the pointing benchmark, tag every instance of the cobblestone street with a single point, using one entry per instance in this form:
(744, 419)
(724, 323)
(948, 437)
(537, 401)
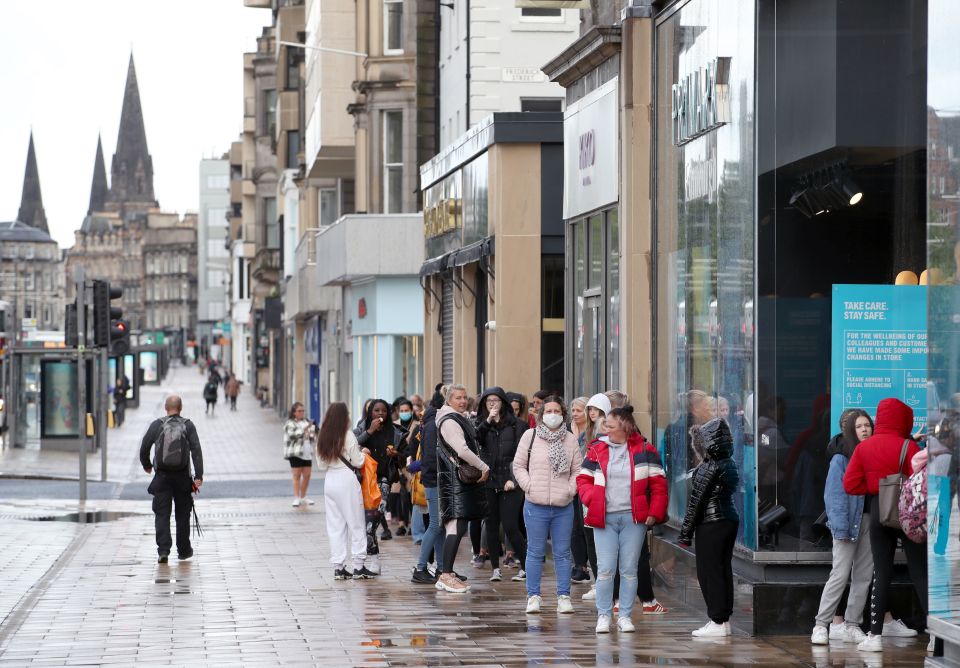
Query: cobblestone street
(260, 590)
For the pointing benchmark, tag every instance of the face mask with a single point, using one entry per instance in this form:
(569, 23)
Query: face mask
(552, 420)
(405, 417)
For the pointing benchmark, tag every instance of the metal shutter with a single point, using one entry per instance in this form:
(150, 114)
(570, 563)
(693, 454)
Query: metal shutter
(446, 333)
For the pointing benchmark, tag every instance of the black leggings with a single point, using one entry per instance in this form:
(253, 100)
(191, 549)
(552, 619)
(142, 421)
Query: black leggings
(476, 535)
(714, 555)
(581, 542)
(451, 544)
(883, 544)
(505, 507)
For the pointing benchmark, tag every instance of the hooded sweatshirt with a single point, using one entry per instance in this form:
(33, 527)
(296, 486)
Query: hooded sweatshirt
(879, 455)
(498, 440)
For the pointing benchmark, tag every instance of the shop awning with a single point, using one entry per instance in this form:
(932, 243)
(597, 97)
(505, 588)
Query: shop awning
(459, 257)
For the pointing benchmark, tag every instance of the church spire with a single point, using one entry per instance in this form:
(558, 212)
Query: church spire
(98, 189)
(31, 201)
(131, 173)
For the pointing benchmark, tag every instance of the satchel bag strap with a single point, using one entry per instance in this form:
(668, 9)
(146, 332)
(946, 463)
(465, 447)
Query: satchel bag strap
(450, 454)
(903, 455)
(348, 464)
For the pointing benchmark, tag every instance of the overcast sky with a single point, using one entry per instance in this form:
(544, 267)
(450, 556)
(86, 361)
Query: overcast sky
(63, 73)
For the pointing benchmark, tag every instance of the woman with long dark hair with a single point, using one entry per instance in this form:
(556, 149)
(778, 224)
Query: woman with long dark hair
(378, 435)
(338, 453)
(298, 435)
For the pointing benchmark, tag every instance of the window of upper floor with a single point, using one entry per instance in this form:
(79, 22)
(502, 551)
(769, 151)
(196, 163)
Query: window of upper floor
(392, 27)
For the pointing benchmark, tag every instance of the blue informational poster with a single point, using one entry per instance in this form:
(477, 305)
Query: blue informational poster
(879, 349)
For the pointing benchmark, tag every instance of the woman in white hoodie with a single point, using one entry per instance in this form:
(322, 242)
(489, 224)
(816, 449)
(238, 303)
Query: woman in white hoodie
(339, 455)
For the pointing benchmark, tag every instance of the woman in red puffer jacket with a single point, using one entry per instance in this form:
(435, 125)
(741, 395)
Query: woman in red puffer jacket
(874, 459)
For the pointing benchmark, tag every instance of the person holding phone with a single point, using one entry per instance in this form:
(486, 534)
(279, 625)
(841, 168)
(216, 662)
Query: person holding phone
(298, 437)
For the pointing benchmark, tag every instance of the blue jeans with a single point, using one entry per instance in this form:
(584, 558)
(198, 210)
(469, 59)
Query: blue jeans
(416, 526)
(557, 523)
(433, 536)
(621, 539)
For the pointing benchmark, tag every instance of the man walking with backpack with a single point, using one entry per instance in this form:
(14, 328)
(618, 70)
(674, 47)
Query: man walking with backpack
(175, 441)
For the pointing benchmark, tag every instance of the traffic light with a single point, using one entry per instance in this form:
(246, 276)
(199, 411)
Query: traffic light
(70, 334)
(104, 314)
(119, 337)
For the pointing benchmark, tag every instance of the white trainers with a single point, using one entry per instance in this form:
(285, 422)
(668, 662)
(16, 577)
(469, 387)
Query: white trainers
(521, 576)
(533, 605)
(871, 643)
(590, 595)
(296, 503)
(496, 577)
(711, 630)
(838, 632)
(564, 605)
(897, 629)
(931, 646)
(624, 625)
(727, 628)
(306, 501)
(820, 636)
(603, 624)
(854, 634)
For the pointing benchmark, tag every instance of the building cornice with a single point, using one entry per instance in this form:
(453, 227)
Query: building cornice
(596, 46)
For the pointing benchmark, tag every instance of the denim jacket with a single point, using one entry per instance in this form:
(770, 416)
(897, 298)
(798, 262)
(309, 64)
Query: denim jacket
(844, 511)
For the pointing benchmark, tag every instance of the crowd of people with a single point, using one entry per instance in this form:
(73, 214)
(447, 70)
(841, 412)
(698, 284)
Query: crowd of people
(524, 480)
(582, 483)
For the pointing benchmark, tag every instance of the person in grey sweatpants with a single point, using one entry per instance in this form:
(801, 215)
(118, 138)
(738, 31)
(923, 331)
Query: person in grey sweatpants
(848, 520)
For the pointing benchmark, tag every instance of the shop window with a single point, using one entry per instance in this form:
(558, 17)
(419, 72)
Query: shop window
(392, 161)
(612, 300)
(392, 27)
(551, 343)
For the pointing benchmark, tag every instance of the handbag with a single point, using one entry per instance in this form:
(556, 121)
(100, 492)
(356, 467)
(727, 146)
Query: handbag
(913, 507)
(888, 497)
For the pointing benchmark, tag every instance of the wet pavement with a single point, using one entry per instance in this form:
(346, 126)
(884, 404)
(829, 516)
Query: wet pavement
(260, 591)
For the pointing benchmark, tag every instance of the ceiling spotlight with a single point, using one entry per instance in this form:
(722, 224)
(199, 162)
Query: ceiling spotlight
(799, 202)
(850, 190)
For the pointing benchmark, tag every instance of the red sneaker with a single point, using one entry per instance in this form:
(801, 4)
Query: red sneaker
(654, 608)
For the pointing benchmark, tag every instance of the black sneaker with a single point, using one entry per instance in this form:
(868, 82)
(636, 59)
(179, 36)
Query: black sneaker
(386, 535)
(341, 574)
(402, 531)
(363, 574)
(580, 575)
(423, 577)
(186, 556)
(163, 558)
(462, 578)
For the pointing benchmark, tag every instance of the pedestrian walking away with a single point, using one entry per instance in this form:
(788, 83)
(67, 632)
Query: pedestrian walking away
(499, 432)
(175, 443)
(210, 393)
(460, 474)
(546, 467)
(232, 390)
(623, 486)
(298, 439)
(339, 456)
(120, 400)
(889, 451)
(713, 519)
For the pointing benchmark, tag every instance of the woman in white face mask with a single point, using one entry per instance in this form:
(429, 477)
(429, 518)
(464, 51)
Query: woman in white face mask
(546, 467)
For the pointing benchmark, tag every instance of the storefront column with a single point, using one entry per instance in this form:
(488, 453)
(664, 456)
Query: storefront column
(636, 158)
(432, 364)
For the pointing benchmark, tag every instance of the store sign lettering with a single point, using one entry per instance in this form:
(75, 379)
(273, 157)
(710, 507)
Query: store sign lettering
(588, 156)
(441, 217)
(701, 101)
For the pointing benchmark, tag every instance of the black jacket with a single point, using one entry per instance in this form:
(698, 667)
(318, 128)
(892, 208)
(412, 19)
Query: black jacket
(714, 481)
(498, 441)
(388, 468)
(458, 500)
(153, 434)
(428, 448)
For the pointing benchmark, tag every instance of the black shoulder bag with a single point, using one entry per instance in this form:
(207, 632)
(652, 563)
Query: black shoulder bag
(467, 473)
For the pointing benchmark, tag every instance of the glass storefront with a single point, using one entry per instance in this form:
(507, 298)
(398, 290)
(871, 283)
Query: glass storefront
(705, 190)
(943, 262)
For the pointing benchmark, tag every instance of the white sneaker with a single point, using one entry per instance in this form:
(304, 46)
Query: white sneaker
(931, 646)
(590, 595)
(855, 635)
(872, 643)
(296, 503)
(819, 635)
(306, 501)
(603, 624)
(624, 625)
(897, 629)
(564, 605)
(521, 576)
(728, 628)
(496, 577)
(533, 605)
(837, 632)
(711, 630)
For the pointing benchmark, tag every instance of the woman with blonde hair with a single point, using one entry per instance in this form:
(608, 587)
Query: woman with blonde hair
(578, 416)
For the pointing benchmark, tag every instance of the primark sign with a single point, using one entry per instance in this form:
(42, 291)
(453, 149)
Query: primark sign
(701, 101)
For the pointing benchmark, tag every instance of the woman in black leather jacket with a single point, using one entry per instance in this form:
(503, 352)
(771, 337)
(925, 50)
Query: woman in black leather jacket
(712, 515)
(499, 432)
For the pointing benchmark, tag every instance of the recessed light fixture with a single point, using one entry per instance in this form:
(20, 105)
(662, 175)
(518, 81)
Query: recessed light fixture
(826, 189)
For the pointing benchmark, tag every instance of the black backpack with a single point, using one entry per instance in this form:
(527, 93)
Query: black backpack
(172, 445)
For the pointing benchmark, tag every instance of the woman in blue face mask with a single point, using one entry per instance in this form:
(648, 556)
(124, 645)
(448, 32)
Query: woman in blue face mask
(398, 501)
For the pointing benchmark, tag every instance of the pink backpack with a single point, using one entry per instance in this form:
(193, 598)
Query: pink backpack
(913, 506)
